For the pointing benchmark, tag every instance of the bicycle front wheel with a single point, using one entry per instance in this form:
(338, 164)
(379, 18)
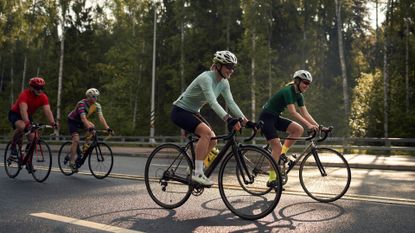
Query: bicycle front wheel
(325, 175)
(101, 160)
(11, 162)
(167, 176)
(64, 157)
(41, 161)
(244, 183)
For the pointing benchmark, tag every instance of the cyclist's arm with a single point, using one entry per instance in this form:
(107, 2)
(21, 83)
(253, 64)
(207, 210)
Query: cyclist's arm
(227, 95)
(307, 116)
(86, 122)
(23, 111)
(103, 121)
(296, 115)
(206, 87)
(48, 113)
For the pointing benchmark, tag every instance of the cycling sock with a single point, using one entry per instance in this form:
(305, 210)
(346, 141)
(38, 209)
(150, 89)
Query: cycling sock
(272, 175)
(199, 167)
(284, 149)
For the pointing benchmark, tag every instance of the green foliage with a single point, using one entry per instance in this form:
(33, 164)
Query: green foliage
(110, 47)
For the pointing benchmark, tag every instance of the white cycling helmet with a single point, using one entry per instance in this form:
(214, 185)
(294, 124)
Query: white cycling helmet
(225, 57)
(303, 75)
(92, 92)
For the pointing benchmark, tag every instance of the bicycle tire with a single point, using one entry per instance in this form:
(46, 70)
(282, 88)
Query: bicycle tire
(167, 176)
(327, 188)
(11, 163)
(41, 161)
(64, 156)
(256, 200)
(101, 160)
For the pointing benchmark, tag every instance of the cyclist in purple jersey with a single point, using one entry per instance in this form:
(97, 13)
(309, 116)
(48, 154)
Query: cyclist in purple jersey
(78, 119)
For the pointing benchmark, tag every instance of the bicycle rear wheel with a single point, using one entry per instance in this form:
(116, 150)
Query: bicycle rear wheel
(41, 161)
(245, 189)
(101, 160)
(64, 157)
(325, 175)
(11, 162)
(167, 176)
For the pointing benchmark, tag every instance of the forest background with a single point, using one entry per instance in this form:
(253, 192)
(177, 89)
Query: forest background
(364, 76)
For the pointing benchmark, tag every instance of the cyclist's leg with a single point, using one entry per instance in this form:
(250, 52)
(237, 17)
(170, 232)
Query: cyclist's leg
(293, 129)
(191, 122)
(74, 128)
(269, 131)
(18, 126)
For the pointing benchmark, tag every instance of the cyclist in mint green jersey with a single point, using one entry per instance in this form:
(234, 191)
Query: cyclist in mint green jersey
(205, 89)
(287, 97)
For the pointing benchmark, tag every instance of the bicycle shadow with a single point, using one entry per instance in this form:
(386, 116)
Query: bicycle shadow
(159, 219)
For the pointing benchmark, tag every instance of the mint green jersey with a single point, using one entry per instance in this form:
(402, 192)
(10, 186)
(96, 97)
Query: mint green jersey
(205, 88)
(285, 96)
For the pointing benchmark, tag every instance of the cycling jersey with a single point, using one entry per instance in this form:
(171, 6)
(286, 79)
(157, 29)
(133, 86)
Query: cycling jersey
(206, 89)
(33, 101)
(278, 102)
(83, 107)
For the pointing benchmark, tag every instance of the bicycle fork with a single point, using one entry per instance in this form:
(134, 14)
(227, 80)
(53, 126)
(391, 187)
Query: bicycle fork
(318, 162)
(241, 165)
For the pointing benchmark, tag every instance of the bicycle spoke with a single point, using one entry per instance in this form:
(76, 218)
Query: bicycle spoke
(247, 193)
(167, 176)
(325, 176)
(41, 163)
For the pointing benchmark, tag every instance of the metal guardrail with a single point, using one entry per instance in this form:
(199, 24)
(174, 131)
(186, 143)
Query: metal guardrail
(381, 144)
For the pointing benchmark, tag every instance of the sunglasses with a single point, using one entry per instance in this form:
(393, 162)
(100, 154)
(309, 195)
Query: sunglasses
(230, 66)
(38, 88)
(306, 83)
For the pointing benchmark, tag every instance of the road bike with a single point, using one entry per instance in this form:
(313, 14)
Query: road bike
(36, 157)
(242, 178)
(99, 155)
(324, 172)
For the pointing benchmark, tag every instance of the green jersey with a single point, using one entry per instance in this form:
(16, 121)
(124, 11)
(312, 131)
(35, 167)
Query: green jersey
(285, 96)
(206, 89)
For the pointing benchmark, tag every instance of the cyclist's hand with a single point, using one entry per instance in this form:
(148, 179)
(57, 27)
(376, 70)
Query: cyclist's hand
(251, 125)
(313, 127)
(27, 126)
(110, 131)
(233, 124)
(54, 125)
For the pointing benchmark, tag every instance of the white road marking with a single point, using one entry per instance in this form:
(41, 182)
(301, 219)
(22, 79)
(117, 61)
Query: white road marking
(88, 224)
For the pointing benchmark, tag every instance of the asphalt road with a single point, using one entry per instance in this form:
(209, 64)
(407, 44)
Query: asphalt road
(377, 201)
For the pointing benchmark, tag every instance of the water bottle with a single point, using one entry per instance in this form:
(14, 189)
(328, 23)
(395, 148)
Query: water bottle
(210, 157)
(85, 147)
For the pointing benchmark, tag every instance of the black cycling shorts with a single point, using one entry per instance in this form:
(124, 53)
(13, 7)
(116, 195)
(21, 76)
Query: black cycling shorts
(186, 120)
(74, 126)
(272, 123)
(14, 116)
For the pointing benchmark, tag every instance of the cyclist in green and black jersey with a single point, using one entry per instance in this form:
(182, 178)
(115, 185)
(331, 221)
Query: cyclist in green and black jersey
(286, 97)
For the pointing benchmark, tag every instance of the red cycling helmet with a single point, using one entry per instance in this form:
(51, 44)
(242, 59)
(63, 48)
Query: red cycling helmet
(37, 83)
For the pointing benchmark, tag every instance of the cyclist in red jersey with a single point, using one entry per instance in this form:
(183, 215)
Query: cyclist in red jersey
(20, 114)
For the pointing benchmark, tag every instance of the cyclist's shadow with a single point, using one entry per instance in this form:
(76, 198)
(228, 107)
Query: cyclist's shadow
(288, 218)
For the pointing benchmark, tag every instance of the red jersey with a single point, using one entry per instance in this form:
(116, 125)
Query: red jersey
(33, 101)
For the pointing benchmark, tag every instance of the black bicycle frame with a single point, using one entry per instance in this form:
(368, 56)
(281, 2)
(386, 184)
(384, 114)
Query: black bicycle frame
(85, 154)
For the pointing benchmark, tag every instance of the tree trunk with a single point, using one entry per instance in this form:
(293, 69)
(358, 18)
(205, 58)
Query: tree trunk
(342, 63)
(24, 71)
(61, 58)
(385, 75)
(406, 65)
(12, 79)
(253, 82)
